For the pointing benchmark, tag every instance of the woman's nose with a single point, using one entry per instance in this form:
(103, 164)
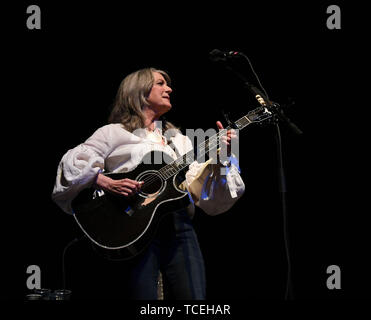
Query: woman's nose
(168, 89)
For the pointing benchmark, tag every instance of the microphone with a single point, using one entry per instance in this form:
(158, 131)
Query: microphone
(217, 55)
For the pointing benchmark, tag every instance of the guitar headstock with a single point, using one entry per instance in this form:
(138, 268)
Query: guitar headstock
(259, 115)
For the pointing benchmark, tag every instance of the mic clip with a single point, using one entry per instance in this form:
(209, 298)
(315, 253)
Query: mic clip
(280, 115)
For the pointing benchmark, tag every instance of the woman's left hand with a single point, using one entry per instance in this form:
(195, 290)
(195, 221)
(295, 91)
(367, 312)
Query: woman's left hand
(227, 139)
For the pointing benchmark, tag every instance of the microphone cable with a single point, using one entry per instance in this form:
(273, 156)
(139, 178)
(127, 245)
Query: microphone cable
(255, 74)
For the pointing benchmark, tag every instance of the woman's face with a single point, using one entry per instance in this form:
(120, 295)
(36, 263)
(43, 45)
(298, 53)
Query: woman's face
(159, 97)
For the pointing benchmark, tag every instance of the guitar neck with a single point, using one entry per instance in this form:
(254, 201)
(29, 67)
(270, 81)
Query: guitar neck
(205, 147)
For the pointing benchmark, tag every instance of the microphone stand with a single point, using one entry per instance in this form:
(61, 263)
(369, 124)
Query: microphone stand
(278, 115)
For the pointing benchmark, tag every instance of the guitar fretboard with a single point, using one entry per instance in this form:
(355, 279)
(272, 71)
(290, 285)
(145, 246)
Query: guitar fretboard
(210, 144)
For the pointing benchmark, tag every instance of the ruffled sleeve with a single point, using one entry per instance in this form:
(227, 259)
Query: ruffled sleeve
(214, 188)
(80, 166)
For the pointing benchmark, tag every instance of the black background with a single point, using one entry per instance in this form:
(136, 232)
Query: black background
(61, 82)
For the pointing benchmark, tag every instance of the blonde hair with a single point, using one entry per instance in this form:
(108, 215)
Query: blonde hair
(132, 96)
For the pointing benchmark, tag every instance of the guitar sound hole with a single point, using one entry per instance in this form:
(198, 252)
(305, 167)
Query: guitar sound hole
(153, 184)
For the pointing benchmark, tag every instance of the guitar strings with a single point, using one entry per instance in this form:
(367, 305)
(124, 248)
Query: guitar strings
(164, 171)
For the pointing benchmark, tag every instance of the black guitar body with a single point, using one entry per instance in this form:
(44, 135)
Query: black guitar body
(122, 227)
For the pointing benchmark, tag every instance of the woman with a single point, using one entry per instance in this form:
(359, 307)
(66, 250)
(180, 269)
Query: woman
(143, 97)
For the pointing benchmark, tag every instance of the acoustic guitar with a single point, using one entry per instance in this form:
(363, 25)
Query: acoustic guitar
(122, 227)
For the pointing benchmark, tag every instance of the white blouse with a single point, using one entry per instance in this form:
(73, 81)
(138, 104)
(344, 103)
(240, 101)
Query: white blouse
(113, 149)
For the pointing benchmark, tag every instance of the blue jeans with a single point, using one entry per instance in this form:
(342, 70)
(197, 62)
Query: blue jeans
(176, 252)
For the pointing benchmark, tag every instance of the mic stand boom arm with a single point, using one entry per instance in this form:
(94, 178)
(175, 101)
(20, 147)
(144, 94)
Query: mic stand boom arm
(278, 115)
(275, 108)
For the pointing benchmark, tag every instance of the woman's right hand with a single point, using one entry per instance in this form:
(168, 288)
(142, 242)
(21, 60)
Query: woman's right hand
(125, 187)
